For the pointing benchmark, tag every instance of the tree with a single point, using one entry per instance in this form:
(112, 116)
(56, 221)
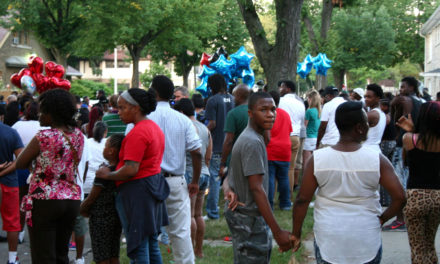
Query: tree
(155, 69)
(55, 23)
(139, 23)
(279, 59)
(216, 24)
(360, 38)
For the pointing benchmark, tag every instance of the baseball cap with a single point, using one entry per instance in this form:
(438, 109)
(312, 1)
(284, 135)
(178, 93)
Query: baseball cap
(330, 90)
(359, 91)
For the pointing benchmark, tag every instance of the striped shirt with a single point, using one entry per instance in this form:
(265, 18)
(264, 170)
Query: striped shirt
(180, 136)
(114, 124)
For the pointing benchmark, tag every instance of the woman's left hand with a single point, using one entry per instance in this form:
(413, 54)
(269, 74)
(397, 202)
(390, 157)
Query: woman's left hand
(5, 165)
(103, 173)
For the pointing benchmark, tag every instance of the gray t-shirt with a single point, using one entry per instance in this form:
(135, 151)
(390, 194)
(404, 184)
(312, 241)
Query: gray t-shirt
(204, 135)
(217, 108)
(249, 157)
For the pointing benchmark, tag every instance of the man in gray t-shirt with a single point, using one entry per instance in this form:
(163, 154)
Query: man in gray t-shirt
(248, 181)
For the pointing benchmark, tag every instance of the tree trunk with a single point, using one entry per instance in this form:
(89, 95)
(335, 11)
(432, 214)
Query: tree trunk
(321, 82)
(135, 53)
(278, 60)
(338, 75)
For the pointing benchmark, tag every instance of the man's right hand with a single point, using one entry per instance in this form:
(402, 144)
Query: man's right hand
(283, 239)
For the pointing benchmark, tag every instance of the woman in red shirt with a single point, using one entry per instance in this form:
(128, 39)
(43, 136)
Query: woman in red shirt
(278, 154)
(142, 189)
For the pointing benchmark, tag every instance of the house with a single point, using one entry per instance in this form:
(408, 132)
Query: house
(105, 70)
(15, 50)
(431, 32)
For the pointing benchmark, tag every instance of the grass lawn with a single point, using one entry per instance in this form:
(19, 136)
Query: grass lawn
(218, 229)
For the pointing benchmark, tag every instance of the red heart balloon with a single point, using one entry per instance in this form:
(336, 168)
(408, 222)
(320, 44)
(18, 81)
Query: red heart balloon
(59, 83)
(50, 68)
(58, 71)
(205, 59)
(35, 64)
(40, 80)
(25, 71)
(16, 80)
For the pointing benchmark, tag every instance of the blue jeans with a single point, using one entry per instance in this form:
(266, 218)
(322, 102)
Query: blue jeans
(319, 259)
(203, 180)
(148, 251)
(214, 187)
(279, 170)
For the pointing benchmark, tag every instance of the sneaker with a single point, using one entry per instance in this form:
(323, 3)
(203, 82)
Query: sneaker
(79, 261)
(72, 246)
(395, 226)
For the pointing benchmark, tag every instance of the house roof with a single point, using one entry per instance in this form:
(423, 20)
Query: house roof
(16, 62)
(111, 55)
(435, 72)
(433, 22)
(387, 83)
(22, 62)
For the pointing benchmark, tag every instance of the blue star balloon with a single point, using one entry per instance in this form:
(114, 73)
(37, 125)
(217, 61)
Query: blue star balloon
(321, 63)
(203, 88)
(223, 66)
(206, 72)
(301, 69)
(242, 58)
(249, 77)
(308, 60)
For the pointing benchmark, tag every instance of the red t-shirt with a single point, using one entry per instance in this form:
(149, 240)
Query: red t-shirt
(145, 144)
(279, 145)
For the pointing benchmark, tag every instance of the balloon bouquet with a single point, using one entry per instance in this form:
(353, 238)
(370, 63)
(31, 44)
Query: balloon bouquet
(32, 80)
(238, 66)
(321, 64)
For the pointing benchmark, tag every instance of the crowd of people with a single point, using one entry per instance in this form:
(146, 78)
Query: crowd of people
(137, 166)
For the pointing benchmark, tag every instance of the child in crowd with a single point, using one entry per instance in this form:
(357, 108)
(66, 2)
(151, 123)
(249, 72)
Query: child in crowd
(248, 182)
(104, 224)
(312, 122)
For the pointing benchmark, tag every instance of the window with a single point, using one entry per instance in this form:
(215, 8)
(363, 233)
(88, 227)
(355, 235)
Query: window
(121, 64)
(20, 38)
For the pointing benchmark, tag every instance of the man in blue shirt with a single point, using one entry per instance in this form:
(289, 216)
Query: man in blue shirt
(10, 145)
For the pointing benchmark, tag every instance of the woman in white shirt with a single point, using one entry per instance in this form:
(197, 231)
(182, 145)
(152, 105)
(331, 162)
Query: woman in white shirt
(347, 213)
(95, 146)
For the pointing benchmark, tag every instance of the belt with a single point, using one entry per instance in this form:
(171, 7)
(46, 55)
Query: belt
(167, 174)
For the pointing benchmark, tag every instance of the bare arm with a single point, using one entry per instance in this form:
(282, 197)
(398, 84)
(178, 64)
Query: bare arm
(260, 197)
(321, 132)
(227, 146)
(389, 180)
(211, 125)
(304, 197)
(208, 154)
(90, 200)
(196, 158)
(12, 167)
(29, 153)
(125, 173)
(373, 118)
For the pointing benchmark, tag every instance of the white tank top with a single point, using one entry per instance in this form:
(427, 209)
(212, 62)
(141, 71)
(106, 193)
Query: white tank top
(375, 133)
(347, 227)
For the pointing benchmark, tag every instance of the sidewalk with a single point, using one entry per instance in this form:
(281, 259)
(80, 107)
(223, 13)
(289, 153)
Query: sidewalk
(395, 248)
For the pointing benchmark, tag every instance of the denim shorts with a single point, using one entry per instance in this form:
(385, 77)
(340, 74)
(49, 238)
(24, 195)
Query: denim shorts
(319, 259)
(203, 180)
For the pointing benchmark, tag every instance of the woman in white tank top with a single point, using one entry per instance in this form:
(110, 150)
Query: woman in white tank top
(347, 213)
(376, 118)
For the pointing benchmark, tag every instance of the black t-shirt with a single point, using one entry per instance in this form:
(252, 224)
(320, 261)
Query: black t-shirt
(217, 108)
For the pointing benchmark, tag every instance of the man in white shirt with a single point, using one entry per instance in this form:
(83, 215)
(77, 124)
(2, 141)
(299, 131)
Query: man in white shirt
(328, 133)
(180, 136)
(294, 106)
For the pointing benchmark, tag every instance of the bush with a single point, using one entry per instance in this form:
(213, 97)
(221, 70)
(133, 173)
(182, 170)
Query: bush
(89, 88)
(154, 69)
